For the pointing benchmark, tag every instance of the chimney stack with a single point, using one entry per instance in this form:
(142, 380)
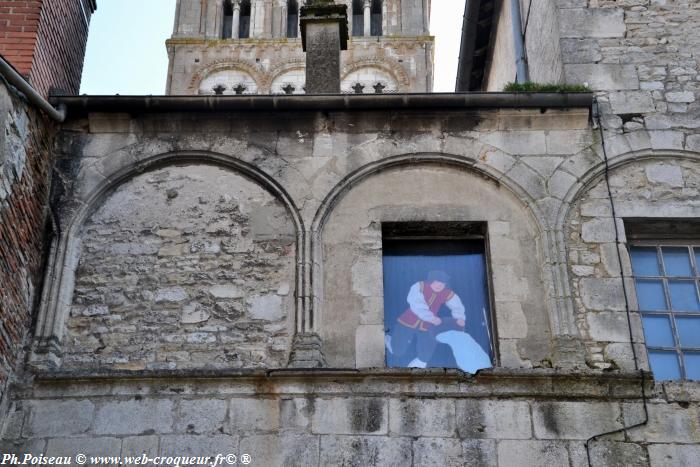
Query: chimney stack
(324, 33)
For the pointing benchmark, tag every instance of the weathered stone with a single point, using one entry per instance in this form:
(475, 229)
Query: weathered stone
(370, 451)
(493, 419)
(686, 96)
(225, 291)
(422, 417)
(201, 416)
(173, 295)
(602, 294)
(282, 449)
(70, 447)
(266, 307)
(520, 453)
(198, 446)
(350, 416)
(438, 451)
(673, 454)
(137, 446)
(667, 174)
(628, 102)
(592, 22)
(135, 417)
(53, 418)
(574, 420)
(603, 77)
(253, 415)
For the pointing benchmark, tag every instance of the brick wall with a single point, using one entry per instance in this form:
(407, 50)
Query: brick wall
(46, 41)
(25, 166)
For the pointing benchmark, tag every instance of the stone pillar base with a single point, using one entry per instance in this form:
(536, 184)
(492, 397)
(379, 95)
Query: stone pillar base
(307, 352)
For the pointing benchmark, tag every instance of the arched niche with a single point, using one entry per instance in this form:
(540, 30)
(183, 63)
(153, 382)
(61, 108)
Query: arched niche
(184, 266)
(369, 80)
(228, 82)
(348, 310)
(290, 82)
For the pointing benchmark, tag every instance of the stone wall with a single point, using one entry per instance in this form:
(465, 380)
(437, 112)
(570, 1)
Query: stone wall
(367, 419)
(25, 173)
(180, 267)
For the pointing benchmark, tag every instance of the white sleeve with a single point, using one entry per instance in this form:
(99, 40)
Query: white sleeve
(417, 303)
(455, 305)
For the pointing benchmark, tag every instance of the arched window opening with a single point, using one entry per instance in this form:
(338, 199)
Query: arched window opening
(358, 18)
(292, 19)
(227, 31)
(244, 29)
(376, 18)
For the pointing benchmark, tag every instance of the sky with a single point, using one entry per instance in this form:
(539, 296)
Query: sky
(126, 47)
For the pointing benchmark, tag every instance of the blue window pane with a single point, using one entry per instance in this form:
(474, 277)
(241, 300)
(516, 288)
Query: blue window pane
(697, 259)
(692, 365)
(677, 262)
(650, 294)
(664, 365)
(657, 330)
(645, 262)
(688, 331)
(684, 296)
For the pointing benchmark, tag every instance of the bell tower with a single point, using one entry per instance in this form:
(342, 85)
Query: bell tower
(254, 47)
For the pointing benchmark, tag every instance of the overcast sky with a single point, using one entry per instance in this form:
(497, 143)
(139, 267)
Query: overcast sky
(126, 47)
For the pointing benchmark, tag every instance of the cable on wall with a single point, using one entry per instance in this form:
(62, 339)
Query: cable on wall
(596, 116)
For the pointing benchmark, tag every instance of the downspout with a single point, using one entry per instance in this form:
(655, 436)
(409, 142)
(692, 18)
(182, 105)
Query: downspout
(519, 42)
(16, 80)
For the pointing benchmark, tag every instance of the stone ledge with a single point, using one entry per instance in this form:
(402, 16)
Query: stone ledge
(398, 382)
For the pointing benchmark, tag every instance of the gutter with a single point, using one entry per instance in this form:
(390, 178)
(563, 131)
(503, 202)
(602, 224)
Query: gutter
(8, 72)
(467, 46)
(81, 105)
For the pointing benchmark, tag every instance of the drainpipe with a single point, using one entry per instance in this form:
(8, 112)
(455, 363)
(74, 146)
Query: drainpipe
(18, 81)
(519, 42)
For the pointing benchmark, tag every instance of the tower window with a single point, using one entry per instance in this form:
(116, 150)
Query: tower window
(227, 31)
(358, 19)
(376, 18)
(244, 30)
(292, 19)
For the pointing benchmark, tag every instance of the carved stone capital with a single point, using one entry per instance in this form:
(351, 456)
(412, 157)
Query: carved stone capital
(307, 351)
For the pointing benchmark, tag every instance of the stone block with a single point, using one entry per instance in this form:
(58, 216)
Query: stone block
(226, 291)
(669, 423)
(201, 416)
(612, 454)
(70, 447)
(198, 446)
(608, 327)
(171, 295)
(662, 139)
(513, 453)
(350, 416)
(369, 346)
(592, 22)
(574, 420)
(602, 294)
(52, 418)
(517, 142)
(266, 307)
(480, 452)
(422, 417)
(370, 451)
(134, 417)
(493, 419)
(602, 76)
(666, 174)
(631, 102)
(679, 455)
(281, 449)
(140, 445)
(296, 413)
(251, 415)
(438, 451)
(600, 230)
(692, 143)
(580, 50)
(683, 97)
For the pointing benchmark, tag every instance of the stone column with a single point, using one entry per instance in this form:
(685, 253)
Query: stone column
(236, 21)
(324, 33)
(368, 17)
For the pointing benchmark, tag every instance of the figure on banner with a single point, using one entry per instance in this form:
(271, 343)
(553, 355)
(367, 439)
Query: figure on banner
(421, 323)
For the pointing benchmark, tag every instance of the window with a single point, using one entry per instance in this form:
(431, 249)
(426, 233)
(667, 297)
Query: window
(436, 300)
(244, 28)
(358, 18)
(227, 31)
(376, 18)
(667, 278)
(292, 19)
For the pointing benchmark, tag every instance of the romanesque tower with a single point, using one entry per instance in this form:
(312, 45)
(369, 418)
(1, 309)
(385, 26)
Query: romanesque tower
(254, 47)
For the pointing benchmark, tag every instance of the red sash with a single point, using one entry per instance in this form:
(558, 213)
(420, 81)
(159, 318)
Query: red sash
(435, 300)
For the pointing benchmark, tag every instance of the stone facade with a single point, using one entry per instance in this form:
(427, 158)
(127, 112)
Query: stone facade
(401, 59)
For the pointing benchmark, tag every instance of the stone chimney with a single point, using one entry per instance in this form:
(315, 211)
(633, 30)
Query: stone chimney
(324, 33)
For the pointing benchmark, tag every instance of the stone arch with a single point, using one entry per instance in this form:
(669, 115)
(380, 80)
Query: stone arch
(65, 250)
(453, 166)
(587, 208)
(293, 72)
(239, 66)
(386, 66)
